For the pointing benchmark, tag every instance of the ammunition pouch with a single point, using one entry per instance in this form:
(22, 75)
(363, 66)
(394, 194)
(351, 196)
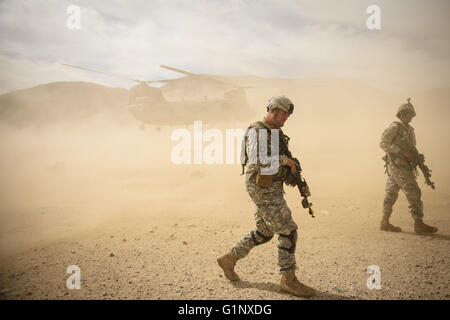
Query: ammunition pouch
(398, 161)
(264, 181)
(267, 180)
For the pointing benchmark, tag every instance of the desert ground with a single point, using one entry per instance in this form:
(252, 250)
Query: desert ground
(104, 195)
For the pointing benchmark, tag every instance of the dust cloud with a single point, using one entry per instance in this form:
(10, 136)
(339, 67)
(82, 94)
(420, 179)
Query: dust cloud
(73, 174)
(62, 179)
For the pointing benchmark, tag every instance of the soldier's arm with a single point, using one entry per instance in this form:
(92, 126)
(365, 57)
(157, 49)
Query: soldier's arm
(388, 139)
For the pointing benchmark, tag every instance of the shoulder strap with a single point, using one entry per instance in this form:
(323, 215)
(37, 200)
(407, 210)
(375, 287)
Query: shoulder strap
(401, 124)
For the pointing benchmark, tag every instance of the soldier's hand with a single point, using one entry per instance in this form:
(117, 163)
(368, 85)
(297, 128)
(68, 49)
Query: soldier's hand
(291, 164)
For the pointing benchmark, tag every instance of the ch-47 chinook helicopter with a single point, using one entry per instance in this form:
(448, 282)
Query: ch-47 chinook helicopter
(149, 105)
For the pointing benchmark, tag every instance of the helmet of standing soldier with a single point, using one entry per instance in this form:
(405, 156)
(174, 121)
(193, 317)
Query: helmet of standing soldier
(406, 108)
(281, 102)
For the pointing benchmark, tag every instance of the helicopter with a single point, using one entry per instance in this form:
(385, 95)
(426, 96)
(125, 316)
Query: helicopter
(149, 105)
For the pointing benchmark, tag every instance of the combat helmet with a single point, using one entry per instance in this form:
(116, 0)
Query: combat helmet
(281, 102)
(406, 107)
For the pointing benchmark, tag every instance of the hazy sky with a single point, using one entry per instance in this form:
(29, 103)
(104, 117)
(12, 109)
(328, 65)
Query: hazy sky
(292, 39)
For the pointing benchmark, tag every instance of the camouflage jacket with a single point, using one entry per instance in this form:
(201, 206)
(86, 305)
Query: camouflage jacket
(250, 152)
(390, 142)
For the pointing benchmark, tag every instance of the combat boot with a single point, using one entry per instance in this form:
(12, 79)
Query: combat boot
(420, 227)
(386, 226)
(227, 263)
(289, 283)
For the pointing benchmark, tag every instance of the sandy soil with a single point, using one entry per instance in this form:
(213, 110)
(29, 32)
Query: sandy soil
(173, 257)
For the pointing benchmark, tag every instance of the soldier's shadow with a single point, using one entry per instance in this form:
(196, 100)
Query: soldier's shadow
(272, 287)
(432, 235)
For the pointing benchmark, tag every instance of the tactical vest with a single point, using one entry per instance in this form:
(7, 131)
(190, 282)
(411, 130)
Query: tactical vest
(256, 125)
(397, 159)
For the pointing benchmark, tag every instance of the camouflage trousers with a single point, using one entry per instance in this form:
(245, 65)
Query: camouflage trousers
(404, 179)
(272, 215)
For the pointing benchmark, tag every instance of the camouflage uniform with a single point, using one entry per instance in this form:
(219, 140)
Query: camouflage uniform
(272, 214)
(400, 173)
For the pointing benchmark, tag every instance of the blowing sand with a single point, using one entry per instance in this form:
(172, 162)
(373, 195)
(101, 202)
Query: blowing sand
(107, 198)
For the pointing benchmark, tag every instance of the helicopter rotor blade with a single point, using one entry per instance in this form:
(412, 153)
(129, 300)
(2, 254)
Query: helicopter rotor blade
(178, 70)
(200, 75)
(104, 73)
(165, 80)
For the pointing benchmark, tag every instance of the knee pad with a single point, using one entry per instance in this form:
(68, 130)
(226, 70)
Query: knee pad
(293, 240)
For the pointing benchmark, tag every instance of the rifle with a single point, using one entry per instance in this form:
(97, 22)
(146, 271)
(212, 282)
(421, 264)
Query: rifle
(297, 178)
(419, 160)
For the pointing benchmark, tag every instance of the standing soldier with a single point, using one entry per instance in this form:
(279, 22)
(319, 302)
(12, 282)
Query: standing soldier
(272, 214)
(401, 162)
